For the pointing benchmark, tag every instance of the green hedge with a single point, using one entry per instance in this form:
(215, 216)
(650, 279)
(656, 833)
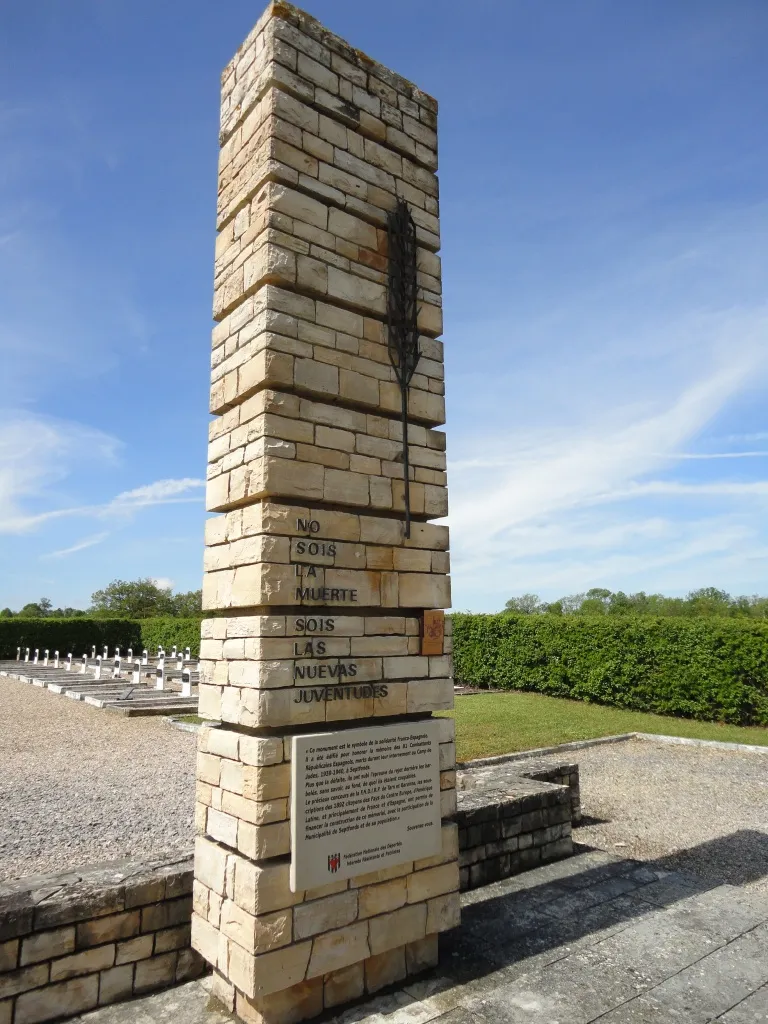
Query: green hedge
(713, 669)
(167, 632)
(64, 635)
(79, 635)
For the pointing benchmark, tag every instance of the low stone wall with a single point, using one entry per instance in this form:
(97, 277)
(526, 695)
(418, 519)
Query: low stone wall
(71, 942)
(514, 816)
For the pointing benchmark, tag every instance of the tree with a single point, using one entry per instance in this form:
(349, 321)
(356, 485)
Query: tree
(528, 604)
(6, 613)
(137, 599)
(188, 605)
(709, 601)
(31, 611)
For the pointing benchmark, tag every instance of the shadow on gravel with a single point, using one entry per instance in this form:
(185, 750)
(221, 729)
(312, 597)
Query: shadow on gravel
(737, 859)
(588, 819)
(539, 917)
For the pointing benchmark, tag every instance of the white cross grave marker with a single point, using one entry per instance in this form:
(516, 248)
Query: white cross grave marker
(186, 682)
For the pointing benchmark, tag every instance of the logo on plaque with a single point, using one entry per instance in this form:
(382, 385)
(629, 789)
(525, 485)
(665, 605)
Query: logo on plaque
(334, 862)
(433, 632)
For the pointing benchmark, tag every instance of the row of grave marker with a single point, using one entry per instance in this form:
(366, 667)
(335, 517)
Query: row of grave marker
(183, 664)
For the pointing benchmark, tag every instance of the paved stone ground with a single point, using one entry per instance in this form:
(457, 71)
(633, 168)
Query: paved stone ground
(592, 938)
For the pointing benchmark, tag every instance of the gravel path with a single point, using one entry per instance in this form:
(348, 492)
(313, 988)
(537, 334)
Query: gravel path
(79, 786)
(652, 801)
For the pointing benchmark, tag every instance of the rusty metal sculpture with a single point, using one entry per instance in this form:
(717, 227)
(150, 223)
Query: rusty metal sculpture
(402, 313)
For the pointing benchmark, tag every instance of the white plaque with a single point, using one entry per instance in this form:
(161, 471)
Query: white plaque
(363, 799)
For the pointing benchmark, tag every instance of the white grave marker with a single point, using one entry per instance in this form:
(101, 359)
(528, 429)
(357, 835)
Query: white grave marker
(363, 800)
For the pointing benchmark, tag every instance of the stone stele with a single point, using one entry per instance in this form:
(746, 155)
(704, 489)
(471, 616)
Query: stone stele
(317, 596)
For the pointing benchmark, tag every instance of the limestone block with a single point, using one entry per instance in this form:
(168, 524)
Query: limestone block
(262, 888)
(407, 924)
(115, 983)
(67, 999)
(46, 945)
(23, 980)
(267, 783)
(138, 948)
(343, 986)
(83, 963)
(379, 899)
(340, 948)
(222, 742)
(384, 969)
(255, 934)
(297, 1003)
(108, 929)
(254, 811)
(260, 842)
(210, 864)
(222, 827)
(422, 955)
(268, 972)
(9, 955)
(324, 914)
(423, 885)
(430, 695)
(260, 750)
(443, 912)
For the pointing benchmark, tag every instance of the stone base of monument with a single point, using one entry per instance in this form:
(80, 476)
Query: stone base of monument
(336, 988)
(71, 942)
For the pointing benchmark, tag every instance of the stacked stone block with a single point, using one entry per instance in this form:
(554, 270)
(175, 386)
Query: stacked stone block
(317, 595)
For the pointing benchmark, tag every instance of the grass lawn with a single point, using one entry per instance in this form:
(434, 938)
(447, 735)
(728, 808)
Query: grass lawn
(500, 723)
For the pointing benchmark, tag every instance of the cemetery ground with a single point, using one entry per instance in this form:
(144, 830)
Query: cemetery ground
(661, 916)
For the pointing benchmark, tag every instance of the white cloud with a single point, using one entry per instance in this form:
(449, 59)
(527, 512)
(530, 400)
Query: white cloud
(81, 545)
(571, 467)
(164, 582)
(38, 453)
(162, 492)
(605, 490)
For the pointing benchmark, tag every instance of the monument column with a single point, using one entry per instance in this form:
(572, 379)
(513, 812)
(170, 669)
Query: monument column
(326, 858)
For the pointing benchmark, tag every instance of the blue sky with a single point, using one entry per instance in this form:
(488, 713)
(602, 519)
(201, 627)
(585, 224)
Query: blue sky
(605, 250)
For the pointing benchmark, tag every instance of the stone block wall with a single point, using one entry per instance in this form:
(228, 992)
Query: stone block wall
(316, 593)
(514, 816)
(72, 942)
